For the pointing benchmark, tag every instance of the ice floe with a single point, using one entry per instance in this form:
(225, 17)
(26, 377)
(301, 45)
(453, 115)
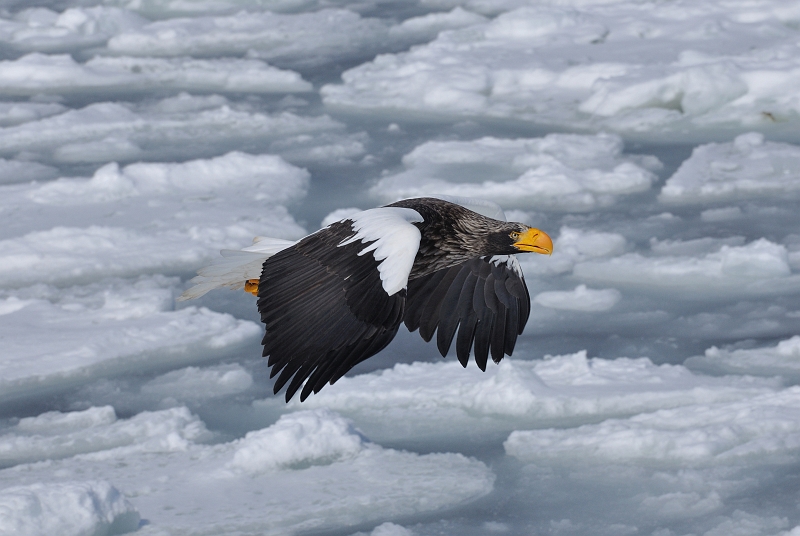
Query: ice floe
(106, 331)
(44, 30)
(759, 268)
(14, 113)
(573, 246)
(56, 435)
(664, 71)
(168, 217)
(437, 399)
(761, 429)
(310, 470)
(193, 383)
(174, 128)
(70, 508)
(305, 39)
(140, 137)
(746, 168)
(60, 74)
(579, 299)
(557, 172)
(301, 40)
(780, 360)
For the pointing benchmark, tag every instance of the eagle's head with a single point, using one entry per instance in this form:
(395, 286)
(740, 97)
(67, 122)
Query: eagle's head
(519, 238)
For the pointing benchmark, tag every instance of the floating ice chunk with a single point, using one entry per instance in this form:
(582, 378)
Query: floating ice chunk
(336, 480)
(60, 74)
(176, 128)
(746, 168)
(193, 383)
(14, 113)
(696, 247)
(264, 177)
(298, 439)
(573, 246)
(43, 30)
(55, 435)
(781, 360)
(127, 327)
(70, 254)
(757, 430)
(438, 400)
(760, 268)
(428, 26)
(169, 217)
(304, 39)
(580, 299)
(642, 70)
(71, 508)
(163, 9)
(558, 172)
(693, 91)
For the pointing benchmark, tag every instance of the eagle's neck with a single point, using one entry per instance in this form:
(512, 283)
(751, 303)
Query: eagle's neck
(451, 235)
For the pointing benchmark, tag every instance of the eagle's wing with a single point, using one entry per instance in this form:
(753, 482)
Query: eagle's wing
(486, 299)
(336, 297)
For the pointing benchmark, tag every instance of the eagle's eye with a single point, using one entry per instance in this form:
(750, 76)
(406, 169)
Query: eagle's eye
(514, 235)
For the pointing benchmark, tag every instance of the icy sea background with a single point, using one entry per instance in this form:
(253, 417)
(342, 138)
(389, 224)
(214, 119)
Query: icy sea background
(654, 391)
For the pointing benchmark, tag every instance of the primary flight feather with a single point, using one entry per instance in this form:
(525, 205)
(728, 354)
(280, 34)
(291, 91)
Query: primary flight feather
(339, 295)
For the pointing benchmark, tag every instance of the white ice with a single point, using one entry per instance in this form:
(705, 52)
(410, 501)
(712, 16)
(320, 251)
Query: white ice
(309, 470)
(178, 127)
(36, 73)
(301, 40)
(660, 71)
(45, 30)
(68, 508)
(437, 400)
(653, 391)
(580, 299)
(746, 168)
(122, 328)
(781, 360)
(159, 215)
(557, 172)
(758, 268)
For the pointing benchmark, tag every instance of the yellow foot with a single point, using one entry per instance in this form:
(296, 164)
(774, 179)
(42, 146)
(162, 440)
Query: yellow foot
(251, 286)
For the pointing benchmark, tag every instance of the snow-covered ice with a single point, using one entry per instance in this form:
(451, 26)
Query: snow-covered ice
(661, 71)
(319, 473)
(557, 172)
(178, 127)
(654, 390)
(781, 360)
(746, 168)
(36, 73)
(119, 329)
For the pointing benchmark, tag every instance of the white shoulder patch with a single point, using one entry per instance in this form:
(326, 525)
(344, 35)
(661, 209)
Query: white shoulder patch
(395, 242)
(509, 260)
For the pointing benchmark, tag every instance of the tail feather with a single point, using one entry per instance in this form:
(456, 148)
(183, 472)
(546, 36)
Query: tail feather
(234, 267)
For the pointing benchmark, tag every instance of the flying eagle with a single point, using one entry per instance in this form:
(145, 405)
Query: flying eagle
(338, 296)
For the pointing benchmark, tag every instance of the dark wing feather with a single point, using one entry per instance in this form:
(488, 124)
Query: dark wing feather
(486, 303)
(324, 309)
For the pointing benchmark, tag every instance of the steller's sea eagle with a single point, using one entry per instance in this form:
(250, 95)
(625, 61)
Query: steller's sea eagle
(338, 296)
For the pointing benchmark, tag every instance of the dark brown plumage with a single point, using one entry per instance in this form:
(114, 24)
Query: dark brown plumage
(338, 296)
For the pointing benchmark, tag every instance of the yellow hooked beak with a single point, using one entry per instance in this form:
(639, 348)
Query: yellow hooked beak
(535, 241)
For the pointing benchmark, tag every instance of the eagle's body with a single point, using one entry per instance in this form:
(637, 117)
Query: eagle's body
(339, 295)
